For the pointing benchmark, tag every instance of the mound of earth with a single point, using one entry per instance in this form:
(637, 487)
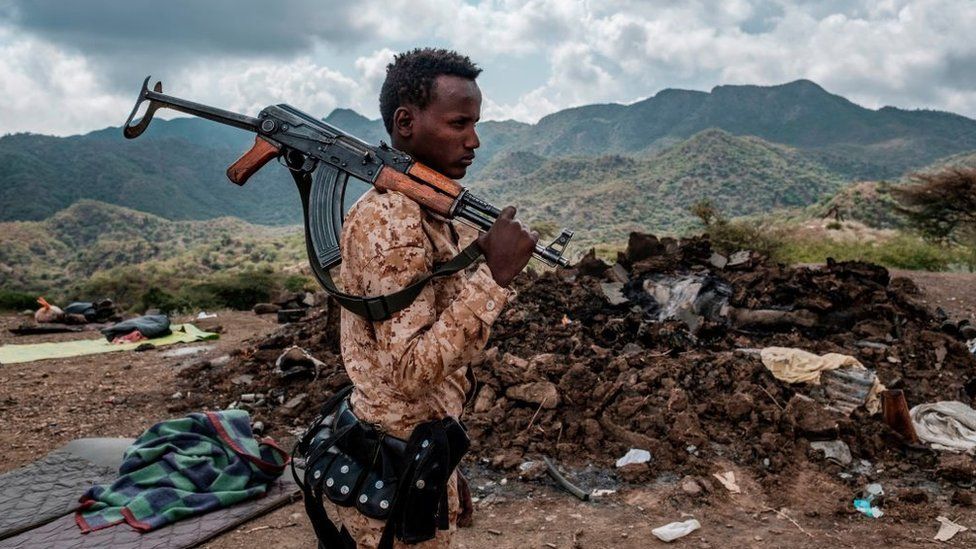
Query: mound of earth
(589, 362)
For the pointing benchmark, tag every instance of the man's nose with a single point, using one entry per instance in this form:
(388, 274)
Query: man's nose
(471, 140)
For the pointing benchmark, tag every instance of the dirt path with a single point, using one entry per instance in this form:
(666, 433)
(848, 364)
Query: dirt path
(954, 292)
(45, 404)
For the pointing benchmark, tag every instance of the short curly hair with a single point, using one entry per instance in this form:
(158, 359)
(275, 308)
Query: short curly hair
(410, 78)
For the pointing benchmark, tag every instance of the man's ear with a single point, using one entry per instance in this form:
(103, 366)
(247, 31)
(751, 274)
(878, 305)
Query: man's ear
(403, 122)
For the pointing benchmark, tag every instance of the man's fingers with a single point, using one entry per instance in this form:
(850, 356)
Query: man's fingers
(507, 213)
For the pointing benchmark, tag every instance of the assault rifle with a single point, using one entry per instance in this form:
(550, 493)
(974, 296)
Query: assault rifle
(308, 146)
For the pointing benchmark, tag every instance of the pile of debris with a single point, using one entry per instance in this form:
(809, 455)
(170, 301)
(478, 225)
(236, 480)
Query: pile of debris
(290, 306)
(668, 351)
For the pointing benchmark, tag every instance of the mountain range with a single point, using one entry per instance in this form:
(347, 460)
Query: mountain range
(600, 169)
(855, 142)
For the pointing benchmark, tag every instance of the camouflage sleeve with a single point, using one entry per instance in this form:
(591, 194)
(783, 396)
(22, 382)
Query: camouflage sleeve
(422, 346)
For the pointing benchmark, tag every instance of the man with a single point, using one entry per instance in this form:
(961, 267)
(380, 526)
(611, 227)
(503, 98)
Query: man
(413, 367)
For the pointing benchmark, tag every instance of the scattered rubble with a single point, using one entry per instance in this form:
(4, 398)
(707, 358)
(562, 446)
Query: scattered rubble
(868, 504)
(834, 450)
(290, 306)
(296, 363)
(575, 372)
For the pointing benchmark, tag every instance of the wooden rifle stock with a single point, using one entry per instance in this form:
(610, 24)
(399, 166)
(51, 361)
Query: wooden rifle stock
(420, 185)
(434, 179)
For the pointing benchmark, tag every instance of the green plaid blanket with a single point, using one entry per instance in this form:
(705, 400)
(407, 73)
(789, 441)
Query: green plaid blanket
(184, 467)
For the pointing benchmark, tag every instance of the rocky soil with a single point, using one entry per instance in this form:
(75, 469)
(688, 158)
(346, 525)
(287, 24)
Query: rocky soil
(581, 368)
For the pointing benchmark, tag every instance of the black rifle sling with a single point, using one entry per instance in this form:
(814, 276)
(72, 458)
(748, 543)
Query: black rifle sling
(379, 307)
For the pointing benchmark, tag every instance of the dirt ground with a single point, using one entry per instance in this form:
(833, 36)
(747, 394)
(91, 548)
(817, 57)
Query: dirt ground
(47, 403)
(954, 292)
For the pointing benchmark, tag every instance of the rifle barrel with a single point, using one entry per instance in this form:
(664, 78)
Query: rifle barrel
(482, 215)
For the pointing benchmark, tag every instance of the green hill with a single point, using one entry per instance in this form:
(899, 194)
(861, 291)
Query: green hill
(961, 160)
(605, 198)
(871, 202)
(167, 176)
(87, 240)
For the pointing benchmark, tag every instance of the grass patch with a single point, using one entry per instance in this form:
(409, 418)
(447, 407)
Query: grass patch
(904, 251)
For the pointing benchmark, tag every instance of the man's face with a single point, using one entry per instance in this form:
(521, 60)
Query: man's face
(442, 135)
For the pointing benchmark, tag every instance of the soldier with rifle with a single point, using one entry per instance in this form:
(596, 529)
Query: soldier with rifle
(413, 367)
(379, 460)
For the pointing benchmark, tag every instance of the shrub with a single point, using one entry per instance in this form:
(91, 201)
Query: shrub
(157, 298)
(17, 301)
(941, 205)
(729, 236)
(732, 236)
(235, 291)
(298, 283)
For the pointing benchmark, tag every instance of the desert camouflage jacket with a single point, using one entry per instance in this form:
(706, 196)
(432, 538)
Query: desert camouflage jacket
(412, 367)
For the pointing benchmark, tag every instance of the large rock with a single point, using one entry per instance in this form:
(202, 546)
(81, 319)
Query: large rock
(642, 246)
(513, 369)
(543, 393)
(286, 298)
(485, 399)
(811, 418)
(551, 364)
(265, 309)
(590, 265)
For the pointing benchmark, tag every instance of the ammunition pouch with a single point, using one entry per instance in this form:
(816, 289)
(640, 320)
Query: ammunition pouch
(354, 464)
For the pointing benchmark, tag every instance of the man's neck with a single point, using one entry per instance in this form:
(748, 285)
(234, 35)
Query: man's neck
(403, 146)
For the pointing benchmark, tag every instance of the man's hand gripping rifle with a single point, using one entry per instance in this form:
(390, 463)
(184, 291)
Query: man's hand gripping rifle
(308, 145)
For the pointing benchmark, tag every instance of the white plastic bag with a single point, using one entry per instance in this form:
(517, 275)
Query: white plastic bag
(675, 530)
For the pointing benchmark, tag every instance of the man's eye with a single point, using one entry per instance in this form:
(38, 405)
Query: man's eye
(457, 123)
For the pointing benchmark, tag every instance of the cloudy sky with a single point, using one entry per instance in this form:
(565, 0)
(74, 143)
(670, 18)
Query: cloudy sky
(70, 67)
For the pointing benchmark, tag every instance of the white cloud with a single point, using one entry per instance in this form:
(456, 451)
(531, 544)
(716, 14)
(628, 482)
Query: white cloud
(577, 78)
(372, 70)
(46, 90)
(248, 87)
(888, 52)
(879, 53)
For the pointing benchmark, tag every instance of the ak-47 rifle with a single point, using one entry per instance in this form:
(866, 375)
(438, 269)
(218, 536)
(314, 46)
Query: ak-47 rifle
(310, 146)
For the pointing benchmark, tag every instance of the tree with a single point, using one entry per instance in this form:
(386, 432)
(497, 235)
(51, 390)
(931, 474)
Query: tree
(941, 205)
(705, 211)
